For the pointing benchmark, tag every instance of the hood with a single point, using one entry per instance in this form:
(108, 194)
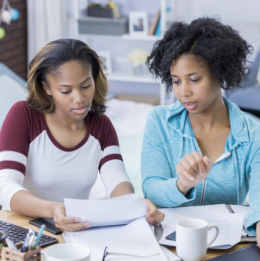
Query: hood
(177, 118)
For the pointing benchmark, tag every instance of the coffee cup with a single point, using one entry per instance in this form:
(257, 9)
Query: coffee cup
(192, 238)
(68, 252)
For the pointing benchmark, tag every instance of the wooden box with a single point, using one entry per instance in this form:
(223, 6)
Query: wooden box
(12, 255)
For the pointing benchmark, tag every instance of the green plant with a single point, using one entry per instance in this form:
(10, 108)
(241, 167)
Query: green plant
(98, 5)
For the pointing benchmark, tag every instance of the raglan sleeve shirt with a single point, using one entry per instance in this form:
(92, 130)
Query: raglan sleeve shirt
(24, 133)
(111, 167)
(14, 146)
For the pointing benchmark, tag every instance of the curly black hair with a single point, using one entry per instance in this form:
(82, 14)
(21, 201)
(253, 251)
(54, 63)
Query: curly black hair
(220, 45)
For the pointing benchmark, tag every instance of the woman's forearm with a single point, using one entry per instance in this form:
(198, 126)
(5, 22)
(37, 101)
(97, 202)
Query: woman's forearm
(23, 202)
(258, 233)
(121, 189)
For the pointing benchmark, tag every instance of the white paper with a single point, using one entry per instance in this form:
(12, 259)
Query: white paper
(230, 225)
(115, 211)
(169, 254)
(220, 208)
(135, 238)
(241, 209)
(245, 210)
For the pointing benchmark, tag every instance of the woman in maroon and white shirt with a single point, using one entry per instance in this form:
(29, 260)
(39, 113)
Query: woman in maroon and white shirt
(53, 145)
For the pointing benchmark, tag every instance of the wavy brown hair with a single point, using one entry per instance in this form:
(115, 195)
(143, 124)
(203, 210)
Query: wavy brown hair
(49, 59)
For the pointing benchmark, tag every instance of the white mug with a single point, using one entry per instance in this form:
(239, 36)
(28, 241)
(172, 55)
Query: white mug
(68, 252)
(192, 238)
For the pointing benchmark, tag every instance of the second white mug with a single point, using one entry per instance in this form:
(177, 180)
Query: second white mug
(192, 238)
(66, 252)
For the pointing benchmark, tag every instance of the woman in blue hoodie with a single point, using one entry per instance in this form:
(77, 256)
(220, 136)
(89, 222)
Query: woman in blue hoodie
(202, 149)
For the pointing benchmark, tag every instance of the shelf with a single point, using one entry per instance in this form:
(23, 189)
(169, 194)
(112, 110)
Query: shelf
(132, 78)
(141, 37)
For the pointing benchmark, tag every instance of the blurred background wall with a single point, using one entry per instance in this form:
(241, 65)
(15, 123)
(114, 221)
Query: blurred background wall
(13, 47)
(49, 20)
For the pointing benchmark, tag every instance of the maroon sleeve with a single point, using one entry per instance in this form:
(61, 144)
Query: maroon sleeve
(103, 130)
(109, 134)
(14, 137)
(111, 140)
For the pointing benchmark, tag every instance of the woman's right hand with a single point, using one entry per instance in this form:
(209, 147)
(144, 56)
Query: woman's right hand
(192, 169)
(67, 224)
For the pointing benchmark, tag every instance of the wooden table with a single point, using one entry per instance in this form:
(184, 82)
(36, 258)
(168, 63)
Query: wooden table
(20, 220)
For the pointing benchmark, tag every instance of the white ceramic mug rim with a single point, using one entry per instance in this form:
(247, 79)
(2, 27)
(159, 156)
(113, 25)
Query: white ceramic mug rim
(192, 228)
(45, 251)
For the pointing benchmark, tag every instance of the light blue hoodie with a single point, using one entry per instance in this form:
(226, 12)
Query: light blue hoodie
(168, 137)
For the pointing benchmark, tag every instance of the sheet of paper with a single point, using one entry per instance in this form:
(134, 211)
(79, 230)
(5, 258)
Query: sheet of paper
(245, 210)
(109, 212)
(230, 225)
(135, 238)
(221, 208)
(242, 209)
(169, 254)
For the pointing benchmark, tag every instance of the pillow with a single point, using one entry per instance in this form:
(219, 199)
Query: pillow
(131, 151)
(11, 92)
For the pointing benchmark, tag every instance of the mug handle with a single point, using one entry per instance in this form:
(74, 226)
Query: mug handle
(215, 237)
(43, 253)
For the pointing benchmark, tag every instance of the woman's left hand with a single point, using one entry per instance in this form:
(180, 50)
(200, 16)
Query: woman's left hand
(153, 216)
(258, 233)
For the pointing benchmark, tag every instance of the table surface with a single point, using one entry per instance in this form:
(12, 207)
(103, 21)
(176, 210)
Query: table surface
(20, 220)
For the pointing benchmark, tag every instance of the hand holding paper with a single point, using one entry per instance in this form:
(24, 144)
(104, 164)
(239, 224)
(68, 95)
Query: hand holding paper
(153, 216)
(67, 224)
(115, 211)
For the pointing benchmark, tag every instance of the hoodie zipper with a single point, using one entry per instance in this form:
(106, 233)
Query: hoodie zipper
(203, 192)
(223, 156)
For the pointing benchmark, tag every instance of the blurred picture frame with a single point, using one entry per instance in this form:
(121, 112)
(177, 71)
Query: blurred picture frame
(105, 57)
(138, 23)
